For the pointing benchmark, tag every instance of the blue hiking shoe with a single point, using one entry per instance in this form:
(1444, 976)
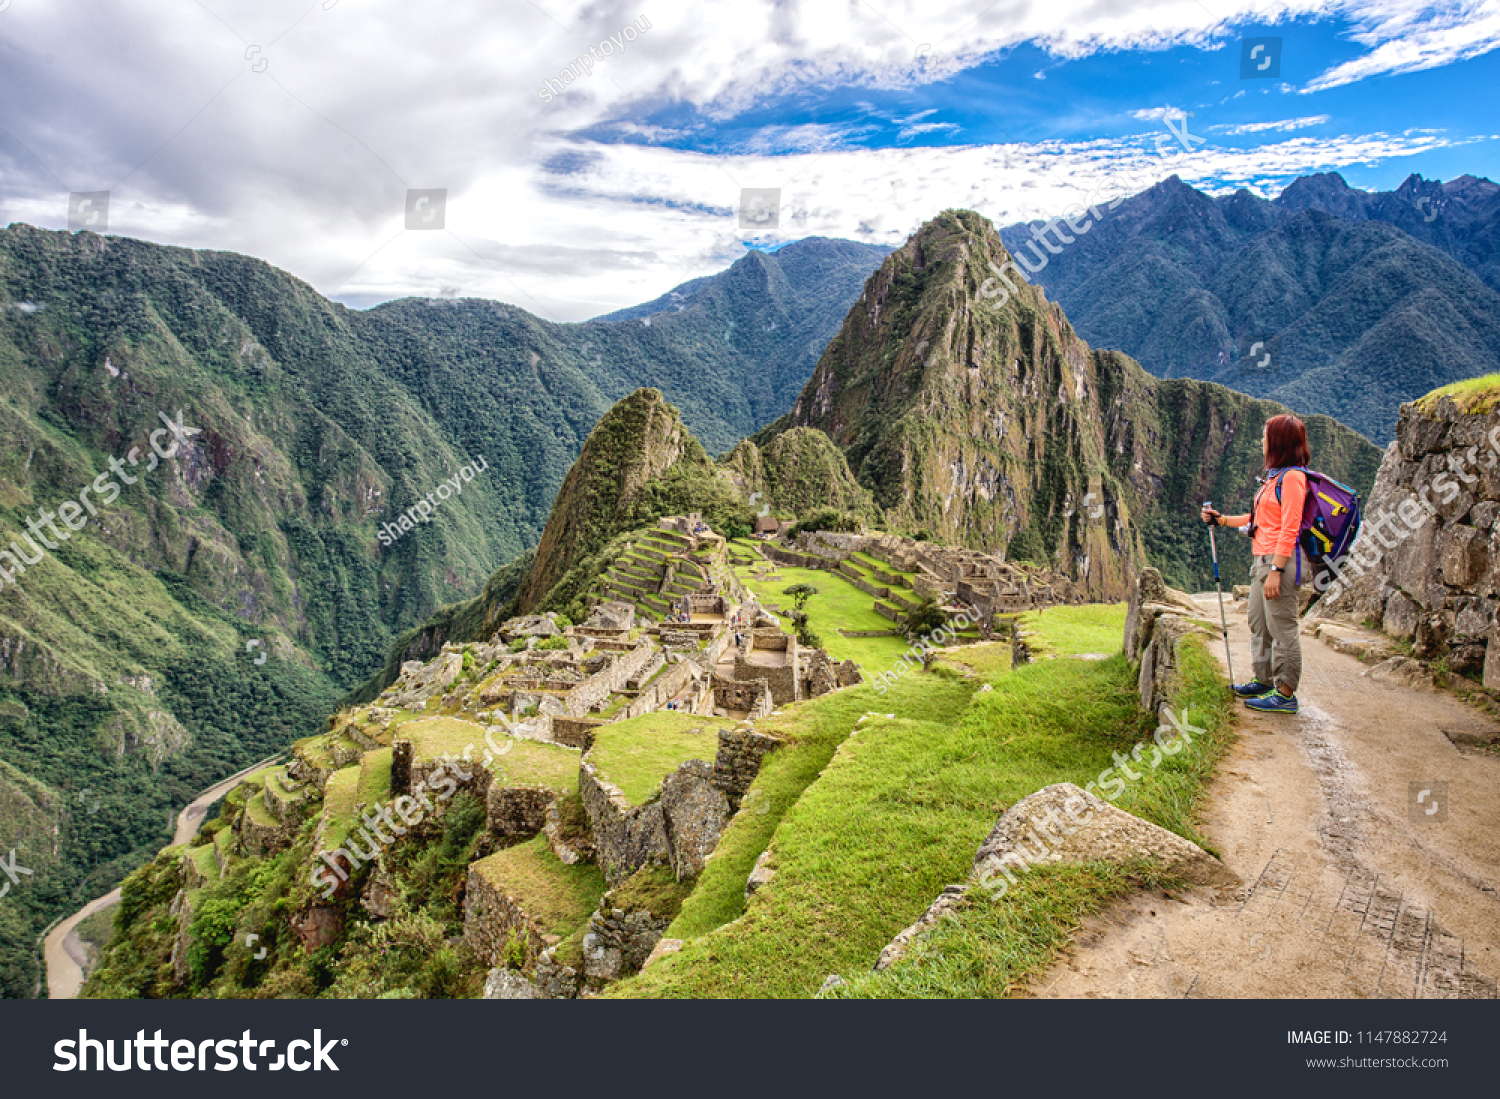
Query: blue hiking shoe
(1273, 703)
(1254, 689)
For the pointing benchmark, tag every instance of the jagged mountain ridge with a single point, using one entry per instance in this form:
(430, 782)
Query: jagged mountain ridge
(980, 417)
(1357, 301)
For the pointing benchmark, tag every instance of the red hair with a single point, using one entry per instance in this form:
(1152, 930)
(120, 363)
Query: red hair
(1286, 442)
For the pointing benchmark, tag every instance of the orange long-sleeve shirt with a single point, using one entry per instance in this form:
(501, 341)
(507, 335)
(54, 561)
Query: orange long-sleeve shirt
(1277, 523)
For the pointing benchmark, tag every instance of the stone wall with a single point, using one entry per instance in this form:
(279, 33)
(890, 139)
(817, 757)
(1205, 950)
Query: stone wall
(1156, 621)
(659, 693)
(782, 681)
(794, 560)
(738, 760)
(734, 694)
(1426, 565)
(575, 732)
(626, 837)
(680, 826)
(517, 812)
(493, 919)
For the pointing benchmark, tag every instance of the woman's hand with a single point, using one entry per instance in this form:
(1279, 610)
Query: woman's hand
(1210, 515)
(1272, 587)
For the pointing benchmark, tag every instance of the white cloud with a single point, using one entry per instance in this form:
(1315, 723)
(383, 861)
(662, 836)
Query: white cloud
(302, 153)
(1279, 126)
(1408, 37)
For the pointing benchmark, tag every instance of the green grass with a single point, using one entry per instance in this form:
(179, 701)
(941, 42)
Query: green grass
(1071, 630)
(811, 730)
(1472, 395)
(375, 777)
(868, 561)
(986, 659)
(256, 807)
(899, 811)
(560, 898)
(991, 948)
(339, 798)
(838, 605)
(528, 762)
(203, 859)
(636, 755)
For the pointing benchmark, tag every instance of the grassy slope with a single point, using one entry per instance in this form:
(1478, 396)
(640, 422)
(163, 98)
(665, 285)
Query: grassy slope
(838, 605)
(560, 898)
(991, 948)
(1073, 631)
(899, 808)
(636, 755)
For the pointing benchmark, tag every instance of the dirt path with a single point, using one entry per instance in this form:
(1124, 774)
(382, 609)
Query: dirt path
(65, 953)
(1352, 887)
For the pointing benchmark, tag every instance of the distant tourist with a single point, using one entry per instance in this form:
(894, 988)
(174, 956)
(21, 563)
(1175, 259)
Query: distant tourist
(1275, 522)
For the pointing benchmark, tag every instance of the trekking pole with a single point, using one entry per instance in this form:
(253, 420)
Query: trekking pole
(1213, 548)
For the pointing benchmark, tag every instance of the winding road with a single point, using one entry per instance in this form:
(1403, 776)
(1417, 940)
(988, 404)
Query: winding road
(63, 951)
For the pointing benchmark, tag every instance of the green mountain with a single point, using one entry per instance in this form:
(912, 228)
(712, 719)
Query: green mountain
(979, 417)
(340, 476)
(639, 464)
(1328, 300)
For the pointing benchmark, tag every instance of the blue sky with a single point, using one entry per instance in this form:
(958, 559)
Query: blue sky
(294, 132)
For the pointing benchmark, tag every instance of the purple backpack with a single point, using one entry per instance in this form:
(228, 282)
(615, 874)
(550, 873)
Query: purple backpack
(1330, 520)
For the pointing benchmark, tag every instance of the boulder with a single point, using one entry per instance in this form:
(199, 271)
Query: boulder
(420, 682)
(761, 874)
(662, 948)
(1063, 823)
(1463, 552)
(508, 984)
(1401, 615)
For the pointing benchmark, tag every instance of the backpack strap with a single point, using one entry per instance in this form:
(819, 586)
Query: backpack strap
(1280, 476)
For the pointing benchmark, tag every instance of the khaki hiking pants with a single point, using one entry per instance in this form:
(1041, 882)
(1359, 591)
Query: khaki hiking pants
(1275, 647)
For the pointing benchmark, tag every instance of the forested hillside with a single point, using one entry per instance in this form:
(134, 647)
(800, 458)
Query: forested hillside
(216, 605)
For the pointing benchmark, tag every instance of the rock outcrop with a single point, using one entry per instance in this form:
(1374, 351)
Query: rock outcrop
(1426, 565)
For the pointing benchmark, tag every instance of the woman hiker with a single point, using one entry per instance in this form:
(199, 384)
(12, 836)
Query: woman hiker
(1275, 647)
